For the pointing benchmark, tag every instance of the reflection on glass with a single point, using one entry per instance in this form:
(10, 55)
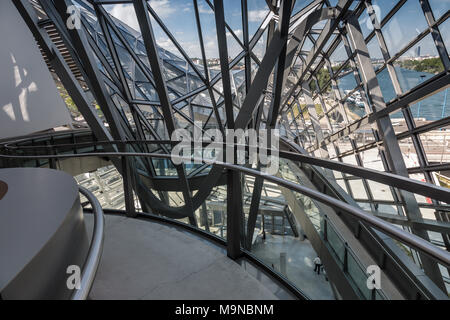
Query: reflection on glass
(406, 24)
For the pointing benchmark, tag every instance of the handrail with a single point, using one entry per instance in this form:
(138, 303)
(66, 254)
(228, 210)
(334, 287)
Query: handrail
(410, 239)
(394, 180)
(95, 249)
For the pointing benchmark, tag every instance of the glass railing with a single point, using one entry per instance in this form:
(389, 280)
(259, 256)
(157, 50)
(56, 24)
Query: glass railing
(386, 202)
(343, 254)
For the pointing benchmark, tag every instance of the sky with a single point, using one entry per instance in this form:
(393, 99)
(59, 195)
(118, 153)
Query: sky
(179, 18)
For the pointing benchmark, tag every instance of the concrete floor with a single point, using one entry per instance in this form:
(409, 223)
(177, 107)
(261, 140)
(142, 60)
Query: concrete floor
(299, 264)
(146, 260)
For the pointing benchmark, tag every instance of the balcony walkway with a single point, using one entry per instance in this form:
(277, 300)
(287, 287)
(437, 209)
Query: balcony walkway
(149, 260)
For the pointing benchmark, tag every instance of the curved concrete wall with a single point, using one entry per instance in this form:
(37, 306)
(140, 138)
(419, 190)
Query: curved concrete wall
(42, 233)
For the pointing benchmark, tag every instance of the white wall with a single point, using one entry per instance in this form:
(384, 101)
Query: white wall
(29, 100)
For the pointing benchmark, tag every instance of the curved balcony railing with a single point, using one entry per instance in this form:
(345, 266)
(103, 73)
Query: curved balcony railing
(409, 239)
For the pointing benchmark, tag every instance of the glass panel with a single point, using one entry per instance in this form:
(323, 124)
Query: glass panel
(358, 190)
(365, 23)
(418, 64)
(375, 53)
(406, 24)
(435, 107)
(107, 186)
(179, 18)
(398, 122)
(409, 153)
(257, 12)
(336, 244)
(346, 81)
(339, 55)
(344, 145)
(444, 28)
(371, 159)
(358, 275)
(208, 23)
(383, 7)
(260, 47)
(233, 17)
(380, 191)
(439, 7)
(436, 145)
(385, 83)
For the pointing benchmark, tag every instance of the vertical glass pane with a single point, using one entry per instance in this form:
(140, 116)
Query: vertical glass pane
(208, 23)
(346, 81)
(233, 16)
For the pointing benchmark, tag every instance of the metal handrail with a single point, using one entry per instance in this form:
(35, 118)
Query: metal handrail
(412, 240)
(95, 249)
(394, 180)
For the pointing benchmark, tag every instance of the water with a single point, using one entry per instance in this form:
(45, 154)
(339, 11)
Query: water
(431, 108)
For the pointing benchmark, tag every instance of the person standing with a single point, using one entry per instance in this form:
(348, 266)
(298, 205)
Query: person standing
(317, 265)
